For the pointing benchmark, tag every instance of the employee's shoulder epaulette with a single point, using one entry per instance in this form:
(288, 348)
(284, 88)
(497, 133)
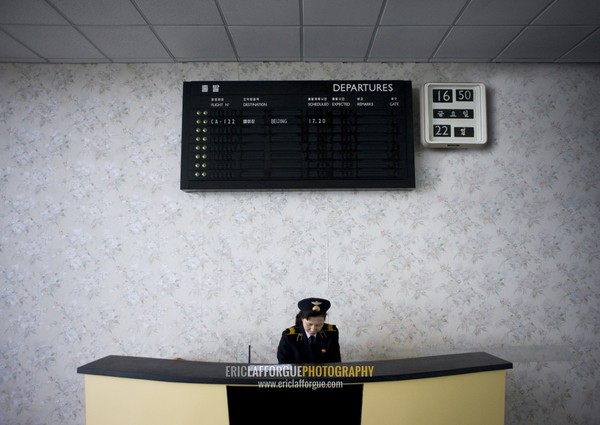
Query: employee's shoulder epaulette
(327, 327)
(293, 330)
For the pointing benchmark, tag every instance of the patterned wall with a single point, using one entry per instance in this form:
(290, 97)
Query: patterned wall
(498, 249)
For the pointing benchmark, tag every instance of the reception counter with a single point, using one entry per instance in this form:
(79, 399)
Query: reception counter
(466, 389)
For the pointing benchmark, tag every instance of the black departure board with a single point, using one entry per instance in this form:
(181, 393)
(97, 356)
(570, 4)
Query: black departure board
(297, 135)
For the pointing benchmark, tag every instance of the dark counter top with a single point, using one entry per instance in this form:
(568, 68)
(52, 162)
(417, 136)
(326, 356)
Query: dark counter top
(250, 374)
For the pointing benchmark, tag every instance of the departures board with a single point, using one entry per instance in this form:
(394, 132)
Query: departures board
(262, 135)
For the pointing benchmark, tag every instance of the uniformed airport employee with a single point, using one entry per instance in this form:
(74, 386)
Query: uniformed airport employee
(311, 340)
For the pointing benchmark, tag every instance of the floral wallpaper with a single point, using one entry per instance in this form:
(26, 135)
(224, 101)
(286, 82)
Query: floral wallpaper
(497, 249)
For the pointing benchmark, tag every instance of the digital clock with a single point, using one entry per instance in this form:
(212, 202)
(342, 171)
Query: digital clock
(453, 115)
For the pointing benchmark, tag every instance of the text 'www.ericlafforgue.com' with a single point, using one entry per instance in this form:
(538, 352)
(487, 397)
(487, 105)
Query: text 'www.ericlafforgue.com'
(300, 383)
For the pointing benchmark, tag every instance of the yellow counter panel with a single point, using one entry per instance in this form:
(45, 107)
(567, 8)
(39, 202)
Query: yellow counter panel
(114, 401)
(470, 399)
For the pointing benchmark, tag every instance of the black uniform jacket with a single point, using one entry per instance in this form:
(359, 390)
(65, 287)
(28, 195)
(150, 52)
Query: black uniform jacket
(295, 348)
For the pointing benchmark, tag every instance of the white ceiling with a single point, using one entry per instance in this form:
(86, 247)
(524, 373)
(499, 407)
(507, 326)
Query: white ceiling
(96, 31)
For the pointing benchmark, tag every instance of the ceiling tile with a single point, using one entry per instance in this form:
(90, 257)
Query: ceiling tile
(261, 12)
(501, 12)
(29, 12)
(13, 50)
(571, 12)
(421, 12)
(341, 12)
(54, 42)
(266, 43)
(476, 42)
(342, 43)
(96, 12)
(545, 43)
(124, 43)
(587, 51)
(406, 43)
(197, 42)
(183, 12)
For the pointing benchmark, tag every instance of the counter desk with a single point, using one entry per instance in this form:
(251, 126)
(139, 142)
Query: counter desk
(465, 389)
